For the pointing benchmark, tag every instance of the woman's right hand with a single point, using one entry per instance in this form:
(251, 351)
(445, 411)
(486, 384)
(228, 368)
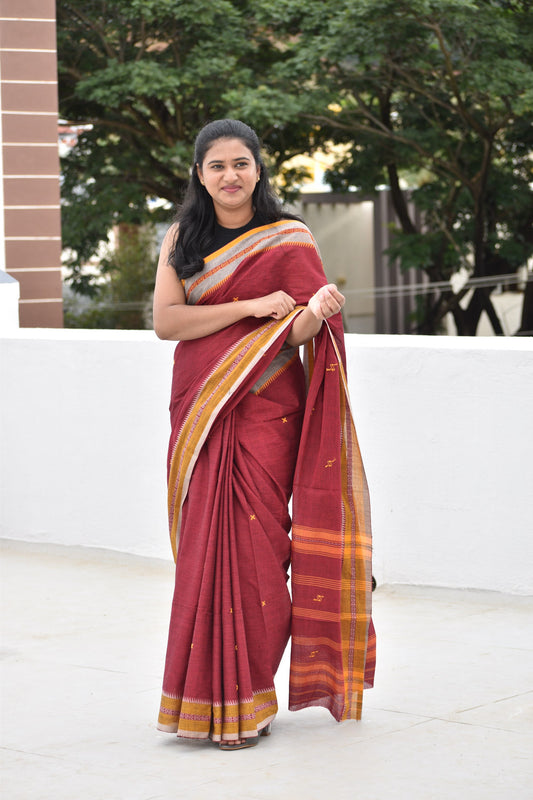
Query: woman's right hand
(276, 305)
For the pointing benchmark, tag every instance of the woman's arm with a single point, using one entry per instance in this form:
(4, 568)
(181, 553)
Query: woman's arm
(174, 319)
(322, 305)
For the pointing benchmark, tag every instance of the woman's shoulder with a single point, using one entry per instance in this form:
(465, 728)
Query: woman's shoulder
(168, 243)
(294, 231)
(172, 230)
(295, 224)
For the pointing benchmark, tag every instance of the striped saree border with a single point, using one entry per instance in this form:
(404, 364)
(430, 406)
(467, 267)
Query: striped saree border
(201, 719)
(282, 362)
(220, 265)
(334, 671)
(356, 596)
(216, 390)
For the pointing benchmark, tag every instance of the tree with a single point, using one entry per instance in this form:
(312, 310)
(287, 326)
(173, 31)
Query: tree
(142, 76)
(435, 97)
(122, 300)
(440, 93)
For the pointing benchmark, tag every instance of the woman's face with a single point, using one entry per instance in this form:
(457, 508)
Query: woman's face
(229, 173)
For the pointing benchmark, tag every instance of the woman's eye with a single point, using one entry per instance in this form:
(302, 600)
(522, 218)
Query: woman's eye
(238, 165)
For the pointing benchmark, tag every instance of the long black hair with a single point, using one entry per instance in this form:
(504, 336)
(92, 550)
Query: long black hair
(196, 215)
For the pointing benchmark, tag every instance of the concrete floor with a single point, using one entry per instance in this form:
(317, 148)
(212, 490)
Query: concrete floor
(451, 715)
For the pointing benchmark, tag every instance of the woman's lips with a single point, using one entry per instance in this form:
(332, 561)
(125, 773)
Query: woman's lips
(231, 189)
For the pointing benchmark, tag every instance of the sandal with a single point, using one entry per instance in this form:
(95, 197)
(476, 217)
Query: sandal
(250, 742)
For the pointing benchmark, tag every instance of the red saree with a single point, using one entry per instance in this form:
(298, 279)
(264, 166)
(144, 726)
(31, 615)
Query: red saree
(246, 434)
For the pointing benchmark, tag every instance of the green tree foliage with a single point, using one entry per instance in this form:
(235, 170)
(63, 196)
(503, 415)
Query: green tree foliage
(127, 70)
(433, 98)
(121, 298)
(144, 76)
(440, 91)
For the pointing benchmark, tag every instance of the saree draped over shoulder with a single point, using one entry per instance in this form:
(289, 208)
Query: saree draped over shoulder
(250, 428)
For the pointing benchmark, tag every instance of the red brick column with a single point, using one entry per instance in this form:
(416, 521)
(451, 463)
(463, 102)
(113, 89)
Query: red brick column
(28, 102)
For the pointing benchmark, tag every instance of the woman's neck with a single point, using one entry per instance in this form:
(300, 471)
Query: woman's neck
(234, 219)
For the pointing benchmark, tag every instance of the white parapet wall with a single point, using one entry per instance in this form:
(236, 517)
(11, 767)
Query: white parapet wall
(445, 426)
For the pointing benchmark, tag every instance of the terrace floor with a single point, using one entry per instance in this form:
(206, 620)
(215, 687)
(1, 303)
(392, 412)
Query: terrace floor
(84, 636)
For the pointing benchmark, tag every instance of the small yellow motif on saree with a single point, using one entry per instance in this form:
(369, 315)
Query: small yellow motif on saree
(236, 647)
(284, 420)
(235, 299)
(263, 602)
(313, 653)
(330, 463)
(318, 598)
(231, 611)
(252, 517)
(331, 367)
(192, 645)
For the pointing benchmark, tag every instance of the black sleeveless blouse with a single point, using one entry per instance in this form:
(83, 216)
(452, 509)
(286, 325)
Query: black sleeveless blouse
(224, 236)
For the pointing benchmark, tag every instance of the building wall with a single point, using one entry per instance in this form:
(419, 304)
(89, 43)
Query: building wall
(30, 160)
(353, 234)
(444, 424)
(343, 228)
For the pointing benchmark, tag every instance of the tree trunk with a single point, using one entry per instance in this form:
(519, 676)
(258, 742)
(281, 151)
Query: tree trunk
(398, 201)
(480, 302)
(526, 325)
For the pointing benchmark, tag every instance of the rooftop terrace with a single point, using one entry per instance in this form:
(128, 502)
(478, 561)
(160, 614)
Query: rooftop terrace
(451, 714)
(445, 427)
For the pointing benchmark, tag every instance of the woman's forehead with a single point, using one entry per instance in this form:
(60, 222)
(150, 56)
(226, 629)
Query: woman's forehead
(227, 150)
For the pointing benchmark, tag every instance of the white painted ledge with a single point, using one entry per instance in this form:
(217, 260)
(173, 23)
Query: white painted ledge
(445, 426)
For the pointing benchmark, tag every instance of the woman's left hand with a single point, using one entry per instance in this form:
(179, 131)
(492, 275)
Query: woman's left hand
(326, 302)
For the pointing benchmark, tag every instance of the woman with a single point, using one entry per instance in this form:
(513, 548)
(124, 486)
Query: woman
(241, 286)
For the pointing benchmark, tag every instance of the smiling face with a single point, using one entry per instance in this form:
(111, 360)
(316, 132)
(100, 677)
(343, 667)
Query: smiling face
(229, 174)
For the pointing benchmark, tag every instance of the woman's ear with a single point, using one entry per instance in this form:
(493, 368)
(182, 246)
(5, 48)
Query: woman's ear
(199, 173)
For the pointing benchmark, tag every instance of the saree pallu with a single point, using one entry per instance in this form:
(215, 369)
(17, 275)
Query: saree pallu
(246, 434)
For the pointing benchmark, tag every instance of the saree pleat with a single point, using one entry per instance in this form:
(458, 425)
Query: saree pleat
(245, 434)
(231, 577)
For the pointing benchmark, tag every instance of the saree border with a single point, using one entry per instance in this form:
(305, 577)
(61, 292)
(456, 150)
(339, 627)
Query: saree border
(217, 389)
(220, 265)
(336, 683)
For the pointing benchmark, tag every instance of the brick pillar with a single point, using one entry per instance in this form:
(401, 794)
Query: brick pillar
(28, 102)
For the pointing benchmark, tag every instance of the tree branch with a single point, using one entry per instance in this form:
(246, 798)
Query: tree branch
(100, 31)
